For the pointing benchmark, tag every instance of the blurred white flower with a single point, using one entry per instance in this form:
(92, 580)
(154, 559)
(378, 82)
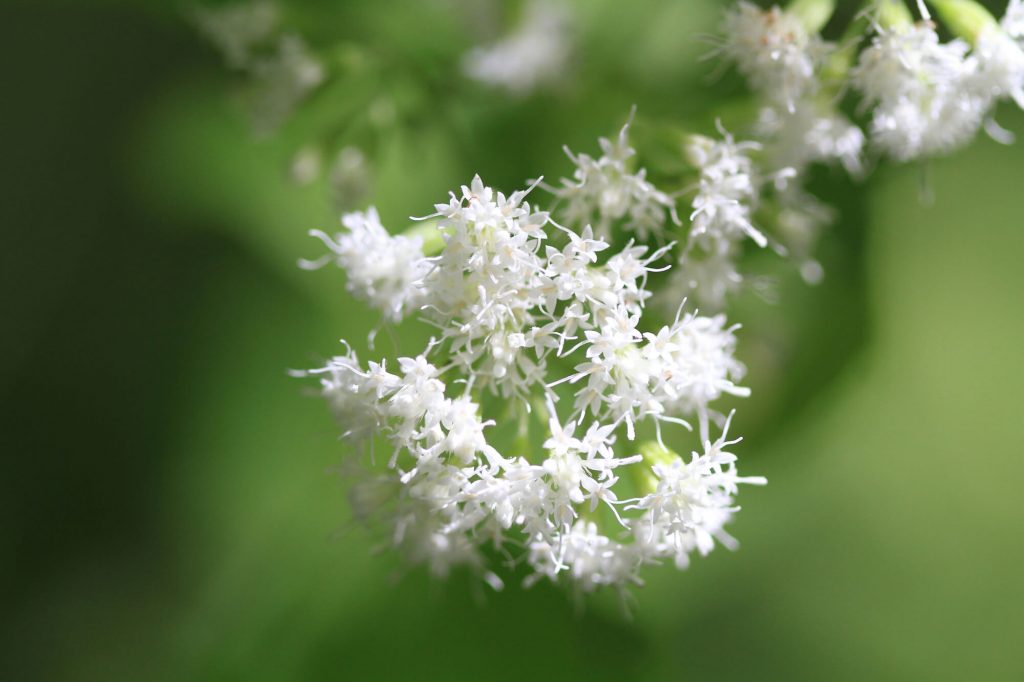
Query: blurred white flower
(774, 51)
(1001, 57)
(236, 29)
(536, 53)
(811, 133)
(1013, 19)
(349, 177)
(921, 92)
(281, 81)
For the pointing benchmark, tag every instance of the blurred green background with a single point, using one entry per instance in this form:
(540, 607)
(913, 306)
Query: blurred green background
(167, 504)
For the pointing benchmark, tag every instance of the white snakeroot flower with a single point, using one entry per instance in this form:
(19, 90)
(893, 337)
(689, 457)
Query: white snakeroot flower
(921, 90)
(306, 166)
(604, 191)
(237, 28)
(707, 278)
(354, 394)
(535, 54)
(506, 300)
(486, 286)
(383, 269)
(727, 192)
(800, 221)
(1013, 19)
(590, 558)
(668, 376)
(774, 51)
(349, 177)
(692, 501)
(1001, 58)
(812, 133)
(281, 81)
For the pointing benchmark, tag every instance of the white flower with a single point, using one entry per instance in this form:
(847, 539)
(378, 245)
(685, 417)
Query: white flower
(590, 558)
(727, 192)
(921, 92)
(354, 395)
(237, 28)
(604, 191)
(692, 500)
(1013, 19)
(536, 53)
(382, 269)
(706, 277)
(811, 133)
(281, 81)
(774, 51)
(349, 176)
(1000, 66)
(675, 373)
(486, 285)
(506, 302)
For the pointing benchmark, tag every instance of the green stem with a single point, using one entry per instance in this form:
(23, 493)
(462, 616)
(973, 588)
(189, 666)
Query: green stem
(965, 18)
(842, 59)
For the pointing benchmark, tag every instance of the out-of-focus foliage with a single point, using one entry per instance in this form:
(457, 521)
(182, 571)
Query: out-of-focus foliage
(169, 500)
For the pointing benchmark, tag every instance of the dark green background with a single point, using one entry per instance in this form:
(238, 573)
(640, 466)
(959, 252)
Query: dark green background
(166, 502)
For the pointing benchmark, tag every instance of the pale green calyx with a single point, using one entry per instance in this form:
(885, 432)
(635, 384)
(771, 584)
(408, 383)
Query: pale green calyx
(813, 14)
(430, 234)
(653, 453)
(893, 14)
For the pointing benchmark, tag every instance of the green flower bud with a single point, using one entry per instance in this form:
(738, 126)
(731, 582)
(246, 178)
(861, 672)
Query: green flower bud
(964, 18)
(433, 238)
(813, 14)
(893, 14)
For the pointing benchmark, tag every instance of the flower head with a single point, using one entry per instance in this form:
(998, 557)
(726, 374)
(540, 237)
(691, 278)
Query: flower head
(382, 269)
(605, 191)
(773, 49)
(512, 308)
(921, 91)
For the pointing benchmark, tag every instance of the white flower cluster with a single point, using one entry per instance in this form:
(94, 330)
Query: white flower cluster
(917, 86)
(775, 52)
(931, 97)
(383, 270)
(282, 69)
(813, 132)
(798, 124)
(281, 81)
(536, 53)
(239, 28)
(728, 190)
(925, 97)
(523, 309)
(604, 191)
